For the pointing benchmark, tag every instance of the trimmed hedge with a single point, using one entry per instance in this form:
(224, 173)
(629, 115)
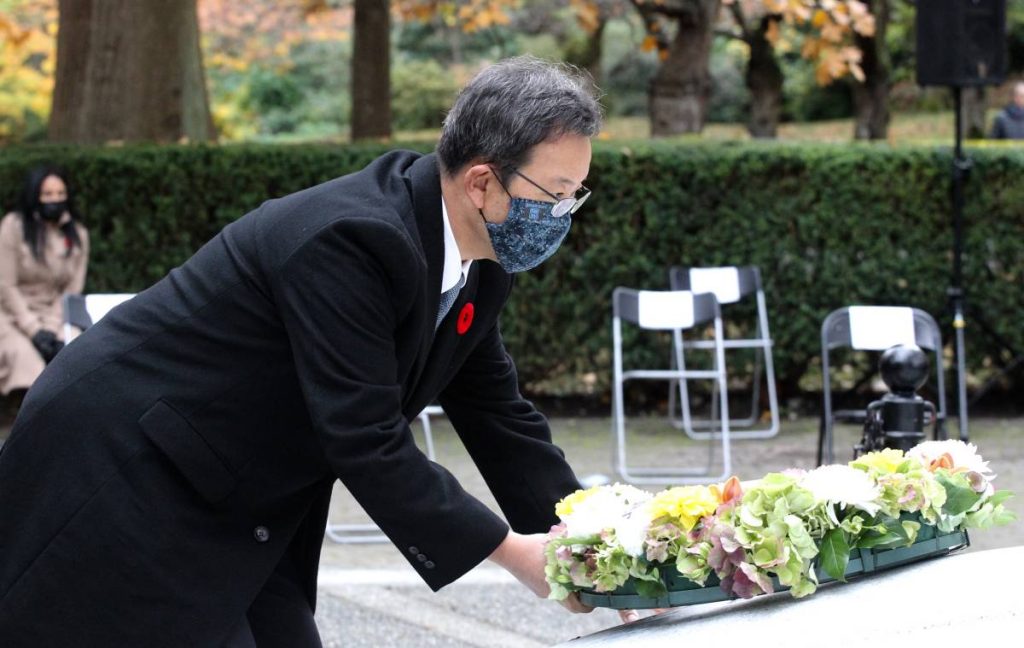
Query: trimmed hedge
(829, 225)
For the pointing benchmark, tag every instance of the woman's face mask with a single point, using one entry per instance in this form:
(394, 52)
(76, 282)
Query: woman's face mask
(52, 211)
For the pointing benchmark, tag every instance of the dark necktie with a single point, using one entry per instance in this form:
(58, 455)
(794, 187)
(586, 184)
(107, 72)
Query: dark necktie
(448, 298)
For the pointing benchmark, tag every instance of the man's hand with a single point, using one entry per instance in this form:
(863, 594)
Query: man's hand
(523, 557)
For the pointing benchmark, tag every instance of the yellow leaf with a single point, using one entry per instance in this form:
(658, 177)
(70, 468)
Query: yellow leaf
(865, 25)
(772, 34)
(832, 32)
(820, 18)
(588, 17)
(649, 44)
(857, 72)
(811, 48)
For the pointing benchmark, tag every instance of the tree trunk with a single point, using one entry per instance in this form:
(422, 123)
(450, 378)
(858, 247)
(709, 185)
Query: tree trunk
(871, 98)
(371, 70)
(590, 60)
(974, 104)
(680, 89)
(129, 70)
(764, 80)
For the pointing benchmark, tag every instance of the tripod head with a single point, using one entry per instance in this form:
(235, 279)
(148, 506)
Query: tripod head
(898, 419)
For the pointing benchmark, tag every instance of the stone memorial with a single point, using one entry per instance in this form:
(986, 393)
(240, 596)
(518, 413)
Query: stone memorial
(967, 598)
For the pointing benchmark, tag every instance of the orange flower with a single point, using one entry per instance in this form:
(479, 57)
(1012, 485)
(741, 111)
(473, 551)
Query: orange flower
(944, 460)
(729, 491)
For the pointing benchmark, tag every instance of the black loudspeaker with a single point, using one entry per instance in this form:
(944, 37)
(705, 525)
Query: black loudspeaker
(961, 43)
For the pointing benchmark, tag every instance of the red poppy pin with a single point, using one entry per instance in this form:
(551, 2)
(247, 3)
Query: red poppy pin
(465, 319)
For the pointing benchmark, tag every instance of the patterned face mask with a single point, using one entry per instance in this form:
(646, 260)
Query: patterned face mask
(529, 235)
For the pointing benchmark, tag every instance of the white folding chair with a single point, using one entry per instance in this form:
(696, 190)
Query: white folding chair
(82, 311)
(672, 311)
(874, 328)
(369, 533)
(729, 286)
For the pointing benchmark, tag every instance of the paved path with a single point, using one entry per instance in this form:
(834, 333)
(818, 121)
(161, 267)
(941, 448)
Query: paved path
(370, 597)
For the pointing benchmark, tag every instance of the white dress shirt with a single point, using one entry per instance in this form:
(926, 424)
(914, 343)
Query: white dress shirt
(455, 269)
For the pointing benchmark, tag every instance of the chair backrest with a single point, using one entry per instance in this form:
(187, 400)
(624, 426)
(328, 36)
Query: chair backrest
(729, 284)
(876, 328)
(663, 310)
(83, 311)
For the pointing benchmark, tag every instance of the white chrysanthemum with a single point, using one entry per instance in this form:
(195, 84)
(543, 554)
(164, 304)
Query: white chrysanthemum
(964, 455)
(604, 509)
(630, 495)
(631, 531)
(843, 485)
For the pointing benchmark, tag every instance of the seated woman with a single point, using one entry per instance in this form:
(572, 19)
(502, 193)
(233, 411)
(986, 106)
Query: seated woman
(44, 251)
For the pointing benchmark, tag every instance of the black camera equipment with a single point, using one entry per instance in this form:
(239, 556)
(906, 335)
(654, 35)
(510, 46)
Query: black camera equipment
(961, 43)
(899, 418)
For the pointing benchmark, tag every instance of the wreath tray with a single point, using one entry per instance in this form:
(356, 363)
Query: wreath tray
(682, 591)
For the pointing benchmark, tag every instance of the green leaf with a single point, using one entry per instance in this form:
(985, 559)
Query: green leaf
(651, 589)
(835, 554)
(880, 541)
(960, 497)
(999, 497)
(558, 592)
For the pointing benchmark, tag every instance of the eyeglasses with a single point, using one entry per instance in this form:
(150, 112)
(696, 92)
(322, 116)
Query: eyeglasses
(562, 206)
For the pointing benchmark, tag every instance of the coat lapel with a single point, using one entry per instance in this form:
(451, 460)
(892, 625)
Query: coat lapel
(423, 180)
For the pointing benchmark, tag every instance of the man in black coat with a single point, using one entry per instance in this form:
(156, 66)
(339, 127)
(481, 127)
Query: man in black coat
(168, 478)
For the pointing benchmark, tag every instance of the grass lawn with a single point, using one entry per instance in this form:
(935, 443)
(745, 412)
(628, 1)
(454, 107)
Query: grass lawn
(906, 128)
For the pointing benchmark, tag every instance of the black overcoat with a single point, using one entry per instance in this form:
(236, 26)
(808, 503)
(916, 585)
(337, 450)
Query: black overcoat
(168, 460)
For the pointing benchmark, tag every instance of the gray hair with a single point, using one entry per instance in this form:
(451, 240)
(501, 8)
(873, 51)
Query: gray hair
(512, 106)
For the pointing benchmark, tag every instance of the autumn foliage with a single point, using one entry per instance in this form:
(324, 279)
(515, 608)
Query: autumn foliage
(27, 60)
(822, 29)
(470, 15)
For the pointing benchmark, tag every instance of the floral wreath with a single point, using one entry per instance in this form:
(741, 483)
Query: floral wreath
(778, 530)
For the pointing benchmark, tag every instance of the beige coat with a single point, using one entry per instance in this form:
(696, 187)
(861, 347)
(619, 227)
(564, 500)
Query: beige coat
(30, 296)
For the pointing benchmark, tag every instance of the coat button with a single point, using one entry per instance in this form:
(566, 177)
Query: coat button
(429, 564)
(421, 557)
(261, 533)
(414, 550)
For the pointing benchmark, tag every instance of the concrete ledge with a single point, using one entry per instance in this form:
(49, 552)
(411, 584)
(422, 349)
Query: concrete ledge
(970, 598)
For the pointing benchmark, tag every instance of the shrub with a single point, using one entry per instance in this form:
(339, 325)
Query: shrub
(828, 225)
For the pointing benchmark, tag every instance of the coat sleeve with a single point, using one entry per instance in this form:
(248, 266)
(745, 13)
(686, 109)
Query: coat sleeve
(508, 439)
(342, 297)
(11, 299)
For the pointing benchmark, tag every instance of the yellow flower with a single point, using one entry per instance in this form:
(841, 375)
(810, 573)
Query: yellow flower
(684, 506)
(883, 461)
(564, 508)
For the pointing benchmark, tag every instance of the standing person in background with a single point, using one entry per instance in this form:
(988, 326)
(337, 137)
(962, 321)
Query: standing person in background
(1009, 123)
(44, 250)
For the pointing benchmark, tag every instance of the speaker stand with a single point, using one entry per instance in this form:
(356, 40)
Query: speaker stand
(957, 301)
(961, 169)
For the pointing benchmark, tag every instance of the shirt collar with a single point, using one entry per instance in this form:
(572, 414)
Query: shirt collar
(455, 269)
